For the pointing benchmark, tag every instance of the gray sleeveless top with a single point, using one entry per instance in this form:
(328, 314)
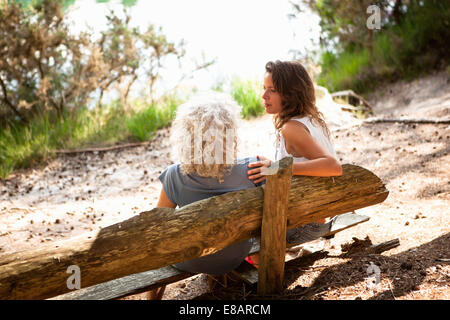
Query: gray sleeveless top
(185, 189)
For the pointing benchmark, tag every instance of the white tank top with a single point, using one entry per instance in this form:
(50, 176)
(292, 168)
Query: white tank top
(316, 132)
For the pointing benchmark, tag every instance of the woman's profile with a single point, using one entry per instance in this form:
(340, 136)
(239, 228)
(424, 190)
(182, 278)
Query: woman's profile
(301, 133)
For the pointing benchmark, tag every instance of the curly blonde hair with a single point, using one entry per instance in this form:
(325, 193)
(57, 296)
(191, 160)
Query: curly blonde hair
(204, 135)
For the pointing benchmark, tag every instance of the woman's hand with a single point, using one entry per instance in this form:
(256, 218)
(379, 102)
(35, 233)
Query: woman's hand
(255, 174)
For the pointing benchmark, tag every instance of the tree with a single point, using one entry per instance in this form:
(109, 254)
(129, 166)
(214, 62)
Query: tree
(44, 67)
(343, 22)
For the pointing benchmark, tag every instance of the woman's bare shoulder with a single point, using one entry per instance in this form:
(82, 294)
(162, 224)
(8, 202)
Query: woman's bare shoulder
(293, 128)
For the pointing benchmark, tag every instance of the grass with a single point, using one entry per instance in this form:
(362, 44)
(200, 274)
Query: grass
(143, 124)
(404, 51)
(247, 94)
(23, 146)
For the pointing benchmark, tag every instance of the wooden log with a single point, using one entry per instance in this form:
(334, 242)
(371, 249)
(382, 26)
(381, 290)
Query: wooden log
(352, 94)
(126, 286)
(384, 246)
(164, 236)
(249, 274)
(144, 281)
(369, 121)
(273, 230)
(409, 121)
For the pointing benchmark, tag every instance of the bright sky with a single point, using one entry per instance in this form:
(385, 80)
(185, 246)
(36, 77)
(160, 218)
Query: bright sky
(241, 34)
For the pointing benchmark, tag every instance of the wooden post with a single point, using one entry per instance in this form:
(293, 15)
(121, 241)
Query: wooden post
(273, 229)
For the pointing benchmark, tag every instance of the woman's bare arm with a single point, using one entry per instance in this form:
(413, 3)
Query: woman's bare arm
(300, 143)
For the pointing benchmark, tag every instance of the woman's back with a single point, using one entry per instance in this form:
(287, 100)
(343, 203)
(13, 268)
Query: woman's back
(185, 189)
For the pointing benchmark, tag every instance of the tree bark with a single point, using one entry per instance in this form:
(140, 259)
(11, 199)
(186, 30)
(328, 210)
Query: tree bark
(273, 229)
(164, 236)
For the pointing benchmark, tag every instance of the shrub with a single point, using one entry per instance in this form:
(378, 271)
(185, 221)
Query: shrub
(248, 95)
(413, 39)
(144, 123)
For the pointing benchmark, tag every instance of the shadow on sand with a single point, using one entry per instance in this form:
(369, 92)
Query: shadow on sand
(406, 271)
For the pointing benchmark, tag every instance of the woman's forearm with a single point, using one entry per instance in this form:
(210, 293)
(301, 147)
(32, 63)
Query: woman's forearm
(322, 167)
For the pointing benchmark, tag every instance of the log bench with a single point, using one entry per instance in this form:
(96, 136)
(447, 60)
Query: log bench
(153, 279)
(136, 255)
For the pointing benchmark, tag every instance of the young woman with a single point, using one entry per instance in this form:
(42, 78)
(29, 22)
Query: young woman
(301, 130)
(301, 133)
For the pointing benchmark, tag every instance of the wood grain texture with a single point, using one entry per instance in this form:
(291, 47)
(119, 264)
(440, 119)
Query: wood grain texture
(144, 281)
(384, 246)
(163, 236)
(129, 285)
(273, 229)
(249, 273)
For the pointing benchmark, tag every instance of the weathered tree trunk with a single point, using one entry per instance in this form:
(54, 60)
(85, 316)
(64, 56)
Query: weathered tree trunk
(413, 121)
(384, 246)
(163, 236)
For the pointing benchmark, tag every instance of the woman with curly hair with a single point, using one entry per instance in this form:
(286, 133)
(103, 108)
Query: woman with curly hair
(301, 133)
(204, 140)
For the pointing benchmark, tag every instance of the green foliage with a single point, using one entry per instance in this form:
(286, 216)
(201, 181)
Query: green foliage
(144, 123)
(22, 146)
(343, 21)
(413, 39)
(48, 77)
(248, 95)
(420, 42)
(127, 3)
(348, 70)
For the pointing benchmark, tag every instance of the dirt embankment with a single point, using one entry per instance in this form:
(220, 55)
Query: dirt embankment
(85, 192)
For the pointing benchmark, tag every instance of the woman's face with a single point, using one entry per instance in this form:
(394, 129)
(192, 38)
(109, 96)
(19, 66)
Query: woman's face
(272, 99)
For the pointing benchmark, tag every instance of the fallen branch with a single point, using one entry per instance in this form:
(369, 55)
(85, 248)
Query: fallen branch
(164, 236)
(103, 149)
(384, 246)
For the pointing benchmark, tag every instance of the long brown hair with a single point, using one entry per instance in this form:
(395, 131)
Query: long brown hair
(296, 88)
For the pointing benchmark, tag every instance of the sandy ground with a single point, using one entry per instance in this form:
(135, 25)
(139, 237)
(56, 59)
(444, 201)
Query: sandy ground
(75, 194)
